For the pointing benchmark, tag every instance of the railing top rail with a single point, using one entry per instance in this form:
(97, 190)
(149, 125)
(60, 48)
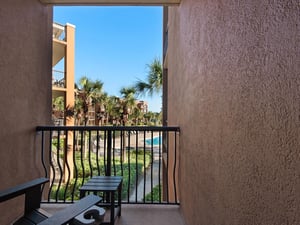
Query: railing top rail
(107, 128)
(58, 71)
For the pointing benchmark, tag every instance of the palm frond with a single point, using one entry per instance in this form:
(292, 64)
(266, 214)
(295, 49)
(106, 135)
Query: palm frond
(154, 81)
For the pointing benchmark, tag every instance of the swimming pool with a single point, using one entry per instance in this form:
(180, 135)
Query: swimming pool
(156, 141)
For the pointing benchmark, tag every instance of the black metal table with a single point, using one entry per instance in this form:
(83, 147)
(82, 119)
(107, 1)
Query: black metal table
(109, 186)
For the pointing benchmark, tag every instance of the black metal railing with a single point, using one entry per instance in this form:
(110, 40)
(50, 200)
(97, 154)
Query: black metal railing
(146, 157)
(58, 78)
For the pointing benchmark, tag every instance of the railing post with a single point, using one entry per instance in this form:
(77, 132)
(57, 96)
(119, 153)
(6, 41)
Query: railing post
(109, 149)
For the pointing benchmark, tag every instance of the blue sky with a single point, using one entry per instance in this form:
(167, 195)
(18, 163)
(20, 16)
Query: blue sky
(114, 44)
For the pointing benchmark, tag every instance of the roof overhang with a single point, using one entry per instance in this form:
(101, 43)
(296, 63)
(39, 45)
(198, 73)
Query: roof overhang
(111, 2)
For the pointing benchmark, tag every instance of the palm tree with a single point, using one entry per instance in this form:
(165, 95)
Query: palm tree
(154, 81)
(89, 93)
(101, 113)
(112, 109)
(127, 103)
(58, 109)
(137, 116)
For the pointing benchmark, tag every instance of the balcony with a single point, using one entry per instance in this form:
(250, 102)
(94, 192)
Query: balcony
(59, 43)
(146, 157)
(58, 79)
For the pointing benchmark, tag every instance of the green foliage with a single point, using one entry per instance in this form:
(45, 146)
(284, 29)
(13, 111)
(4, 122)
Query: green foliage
(88, 94)
(129, 172)
(154, 80)
(55, 143)
(110, 110)
(88, 167)
(155, 193)
(65, 192)
(58, 103)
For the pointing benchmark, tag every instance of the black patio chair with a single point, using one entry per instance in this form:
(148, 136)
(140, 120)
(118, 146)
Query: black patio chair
(32, 212)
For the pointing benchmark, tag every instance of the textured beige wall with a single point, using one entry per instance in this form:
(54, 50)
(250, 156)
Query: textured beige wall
(234, 90)
(25, 91)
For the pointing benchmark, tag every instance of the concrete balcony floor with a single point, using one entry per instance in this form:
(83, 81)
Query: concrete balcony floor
(138, 214)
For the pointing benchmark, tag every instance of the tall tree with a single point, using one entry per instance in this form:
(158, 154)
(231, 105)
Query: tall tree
(89, 93)
(154, 80)
(127, 103)
(102, 102)
(58, 110)
(137, 116)
(112, 109)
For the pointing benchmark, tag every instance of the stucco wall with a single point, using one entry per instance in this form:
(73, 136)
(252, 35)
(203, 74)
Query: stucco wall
(25, 92)
(234, 90)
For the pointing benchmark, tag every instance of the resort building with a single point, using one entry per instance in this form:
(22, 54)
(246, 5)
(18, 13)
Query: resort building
(231, 83)
(142, 105)
(63, 59)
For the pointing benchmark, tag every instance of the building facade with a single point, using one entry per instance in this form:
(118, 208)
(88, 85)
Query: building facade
(63, 58)
(25, 93)
(233, 73)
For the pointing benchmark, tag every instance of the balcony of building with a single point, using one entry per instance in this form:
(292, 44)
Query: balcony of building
(233, 89)
(63, 53)
(59, 43)
(146, 158)
(58, 55)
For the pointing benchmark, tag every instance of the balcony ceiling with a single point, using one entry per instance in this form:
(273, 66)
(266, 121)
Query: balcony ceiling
(111, 2)
(58, 51)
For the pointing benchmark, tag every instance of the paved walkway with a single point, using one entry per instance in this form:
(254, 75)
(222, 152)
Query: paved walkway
(140, 188)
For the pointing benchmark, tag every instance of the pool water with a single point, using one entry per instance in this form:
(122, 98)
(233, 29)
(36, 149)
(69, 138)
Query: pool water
(156, 141)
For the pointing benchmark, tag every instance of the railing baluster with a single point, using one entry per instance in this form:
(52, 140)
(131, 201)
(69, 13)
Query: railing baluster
(122, 151)
(82, 154)
(97, 152)
(159, 165)
(104, 152)
(129, 167)
(175, 166)
(89, 153)
(114, 150)
(145, 169)
(109, 148)
(74, 162)
(59, 165)
(136, 165)
(167, 170)
(151, 167)
(43, 154)
(67, 165)
(51, 165)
